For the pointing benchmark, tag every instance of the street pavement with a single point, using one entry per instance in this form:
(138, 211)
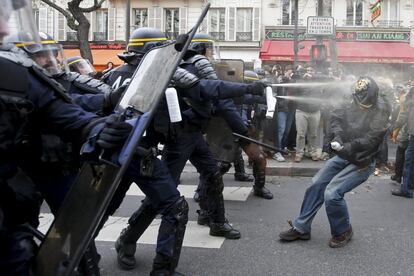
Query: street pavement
(383, 241)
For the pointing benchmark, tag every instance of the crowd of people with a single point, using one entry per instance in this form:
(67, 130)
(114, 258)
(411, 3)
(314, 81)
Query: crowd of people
(302, 127)
(49, 115)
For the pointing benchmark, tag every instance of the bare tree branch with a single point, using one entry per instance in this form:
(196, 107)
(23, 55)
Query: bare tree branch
(70, 19)
(97, 5)
(58, 8)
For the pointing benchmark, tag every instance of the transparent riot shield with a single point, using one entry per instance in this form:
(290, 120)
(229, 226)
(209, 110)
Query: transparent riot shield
(88, 198)
(230, 69)
(219, 136)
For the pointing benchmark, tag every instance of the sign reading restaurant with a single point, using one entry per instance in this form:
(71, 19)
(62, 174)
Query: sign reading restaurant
(400, 36)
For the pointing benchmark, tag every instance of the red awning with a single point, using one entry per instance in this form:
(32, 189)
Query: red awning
(100, 57)
(369, 52)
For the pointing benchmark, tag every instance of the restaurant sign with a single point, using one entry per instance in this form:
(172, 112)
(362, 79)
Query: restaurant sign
(272, 34)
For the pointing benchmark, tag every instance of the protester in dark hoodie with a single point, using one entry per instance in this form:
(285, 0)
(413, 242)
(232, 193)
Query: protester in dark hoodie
(358, 128)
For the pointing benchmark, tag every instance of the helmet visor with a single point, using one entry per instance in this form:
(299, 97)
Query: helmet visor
(17, 17)
(82, 66)
(212, 49)
(51, 58)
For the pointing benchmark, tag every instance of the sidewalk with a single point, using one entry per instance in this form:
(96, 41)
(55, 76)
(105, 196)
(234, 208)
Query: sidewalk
(307, 167)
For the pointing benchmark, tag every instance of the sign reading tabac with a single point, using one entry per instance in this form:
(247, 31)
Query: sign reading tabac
(320, 25)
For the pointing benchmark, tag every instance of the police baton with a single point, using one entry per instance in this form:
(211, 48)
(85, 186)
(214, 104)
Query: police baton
(259, 143)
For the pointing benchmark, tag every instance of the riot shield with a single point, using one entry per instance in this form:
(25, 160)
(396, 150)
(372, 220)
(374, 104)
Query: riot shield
(219, 136)
(88, 198)
(220, 140)
(230, 69)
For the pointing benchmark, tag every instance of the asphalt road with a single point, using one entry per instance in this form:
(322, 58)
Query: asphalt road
(383, 242)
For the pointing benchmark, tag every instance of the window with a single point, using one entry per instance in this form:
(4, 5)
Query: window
(217, 23)
(287, 12)
(36, 17)
(354, 12)
(140, 18)
(171, 22)
(327, 7)
(389, 14)
(100, 31)
(244, 22)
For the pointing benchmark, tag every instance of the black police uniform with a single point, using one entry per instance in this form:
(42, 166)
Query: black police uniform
(227, 109)
(30, 105)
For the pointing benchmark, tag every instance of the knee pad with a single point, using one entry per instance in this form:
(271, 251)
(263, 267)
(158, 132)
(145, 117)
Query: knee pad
(179, 211)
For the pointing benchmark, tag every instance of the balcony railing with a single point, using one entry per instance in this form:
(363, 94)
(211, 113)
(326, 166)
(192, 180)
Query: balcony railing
(218, 36)
(389, 23)
(356, 23)
(290, 22)
(100, 36)
(71, 36)
(378, 24)
(244, 36)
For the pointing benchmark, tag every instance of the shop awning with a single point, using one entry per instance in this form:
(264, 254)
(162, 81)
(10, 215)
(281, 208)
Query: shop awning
(367, 52)
(100, 57)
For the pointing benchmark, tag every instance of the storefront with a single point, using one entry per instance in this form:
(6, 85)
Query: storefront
(385, 53)
(102, 53)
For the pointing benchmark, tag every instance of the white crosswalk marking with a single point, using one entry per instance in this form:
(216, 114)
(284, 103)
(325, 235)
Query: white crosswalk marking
(195, 235)
(229, 193)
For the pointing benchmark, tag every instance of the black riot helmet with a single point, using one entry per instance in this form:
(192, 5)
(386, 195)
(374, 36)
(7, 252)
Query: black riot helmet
(82, 66)
(204, 44)
(260, 72)
(365, 92)
(250, 76)
(48, 54)
(140, 42)
(143, 39)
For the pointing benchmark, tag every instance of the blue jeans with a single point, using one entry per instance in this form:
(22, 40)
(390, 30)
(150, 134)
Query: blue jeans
(407, 185)
(281, 126)
(329, 185)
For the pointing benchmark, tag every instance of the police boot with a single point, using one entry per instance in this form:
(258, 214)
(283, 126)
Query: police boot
(259, 186)
(240, 174)
(219, 225)
(224, 230)
(170, 239)
(213, 203)
(126, 244)
(203, 217)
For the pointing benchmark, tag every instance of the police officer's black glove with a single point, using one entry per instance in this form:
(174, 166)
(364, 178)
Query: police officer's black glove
(256, 88)
(111, 99)
(114, 133)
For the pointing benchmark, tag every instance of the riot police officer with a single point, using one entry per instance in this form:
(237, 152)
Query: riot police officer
(185, 138)
(140, 42)
(50, 103)
(81, 66)
(31, 103)
(198, 64)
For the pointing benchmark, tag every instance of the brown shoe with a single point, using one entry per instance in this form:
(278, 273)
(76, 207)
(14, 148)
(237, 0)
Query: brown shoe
(298, 158)
(341, 240)
(292, 234)
(315, 158)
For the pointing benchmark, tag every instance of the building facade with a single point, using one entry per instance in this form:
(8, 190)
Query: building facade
(241, 26)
